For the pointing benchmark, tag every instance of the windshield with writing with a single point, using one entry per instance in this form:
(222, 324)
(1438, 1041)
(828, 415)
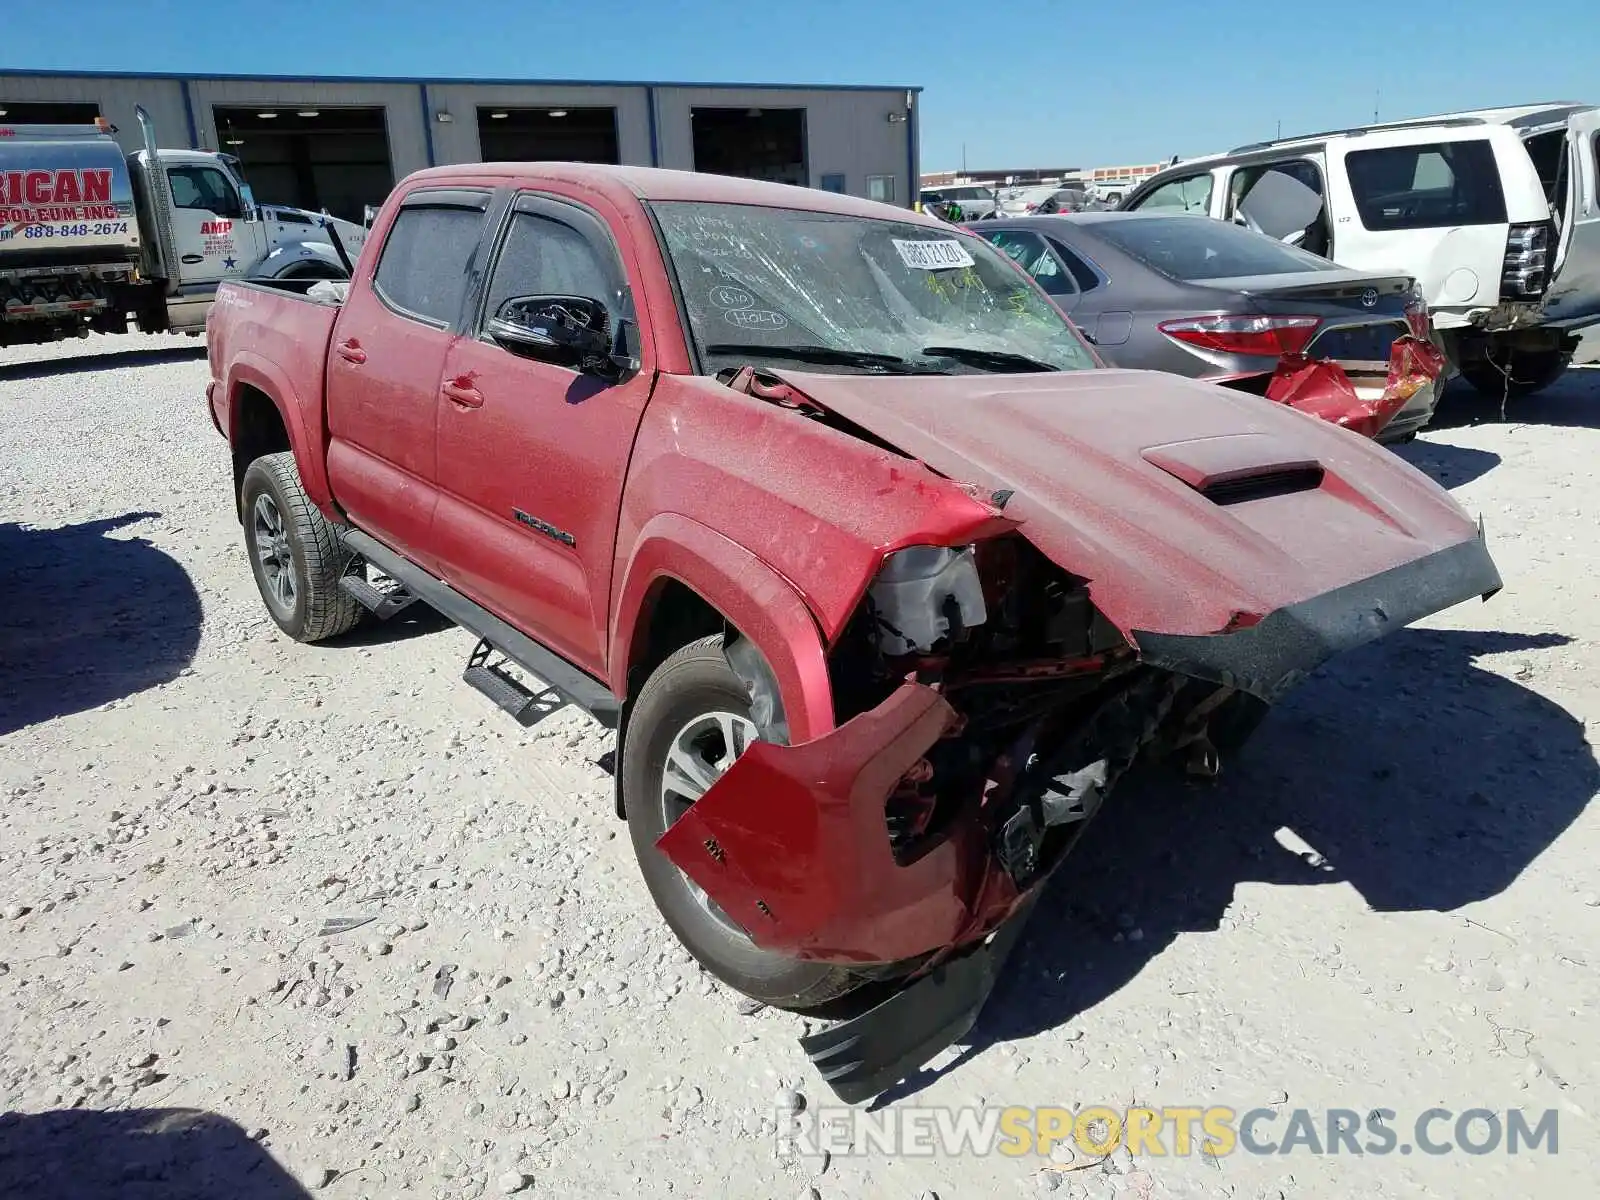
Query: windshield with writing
(857, 294)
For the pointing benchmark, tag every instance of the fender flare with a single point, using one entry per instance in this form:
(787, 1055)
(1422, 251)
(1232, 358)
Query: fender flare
(251, 370)
(275, 263)
(762, 605)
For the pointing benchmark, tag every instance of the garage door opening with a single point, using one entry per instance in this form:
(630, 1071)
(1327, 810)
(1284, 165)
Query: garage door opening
(548, 135)
(30, 113)
(311, 157)
(752, 143)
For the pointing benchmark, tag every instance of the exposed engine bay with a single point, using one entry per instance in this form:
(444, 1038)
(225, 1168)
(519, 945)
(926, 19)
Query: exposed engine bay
(1051, 701)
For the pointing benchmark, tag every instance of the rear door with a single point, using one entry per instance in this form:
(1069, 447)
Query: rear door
(1575, 292)
(1433, 202)
(532, 454)
(387, 361)
(1285, 199)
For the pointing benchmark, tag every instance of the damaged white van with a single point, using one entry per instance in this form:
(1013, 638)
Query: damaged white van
(1494, 212)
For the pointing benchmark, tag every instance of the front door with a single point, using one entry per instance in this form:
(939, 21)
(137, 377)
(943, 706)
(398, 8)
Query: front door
(386, 361)
(209, 229)
(532, 453)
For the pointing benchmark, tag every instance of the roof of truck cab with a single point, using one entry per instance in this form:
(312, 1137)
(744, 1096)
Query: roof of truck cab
(658, 183)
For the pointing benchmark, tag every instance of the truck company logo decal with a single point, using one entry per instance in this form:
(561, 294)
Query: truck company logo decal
(39, 197)
(544, 527)
(208, 228)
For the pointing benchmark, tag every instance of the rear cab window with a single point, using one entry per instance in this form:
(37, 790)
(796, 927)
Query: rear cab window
(422, 273)
(1427, 185)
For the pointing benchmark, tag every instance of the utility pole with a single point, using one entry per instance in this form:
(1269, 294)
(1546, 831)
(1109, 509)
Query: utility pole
(1279, 135)
(963, 158)
(1376, 97)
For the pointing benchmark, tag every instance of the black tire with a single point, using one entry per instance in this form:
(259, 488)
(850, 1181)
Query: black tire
(1517, 375)
(312, 606)
(694, 682)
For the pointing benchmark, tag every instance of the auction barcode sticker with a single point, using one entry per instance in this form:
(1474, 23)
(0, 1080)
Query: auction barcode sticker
(932, 256)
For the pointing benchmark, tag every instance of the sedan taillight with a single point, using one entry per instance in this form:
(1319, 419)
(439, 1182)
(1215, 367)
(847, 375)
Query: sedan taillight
(1264, 337)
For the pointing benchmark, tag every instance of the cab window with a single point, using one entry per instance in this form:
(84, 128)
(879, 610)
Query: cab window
(204, 188)
(1191, 194)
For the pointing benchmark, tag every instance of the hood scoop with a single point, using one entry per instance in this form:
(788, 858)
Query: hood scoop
(1234, 468)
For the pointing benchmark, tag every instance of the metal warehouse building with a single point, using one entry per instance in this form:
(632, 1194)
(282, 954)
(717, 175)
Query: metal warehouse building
(342, 143)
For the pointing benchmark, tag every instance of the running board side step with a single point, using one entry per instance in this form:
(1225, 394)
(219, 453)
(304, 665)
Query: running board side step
(381, 604)
(569, 682)
(526, 706)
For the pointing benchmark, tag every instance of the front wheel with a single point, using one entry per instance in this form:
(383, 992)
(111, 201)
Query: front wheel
(689, 724)
(294, 555)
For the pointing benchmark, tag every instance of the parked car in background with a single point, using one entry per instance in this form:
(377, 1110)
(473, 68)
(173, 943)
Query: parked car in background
(1020, 201)
(1067, 200)
(1494, 212)
(1215, 301)
(976, 202)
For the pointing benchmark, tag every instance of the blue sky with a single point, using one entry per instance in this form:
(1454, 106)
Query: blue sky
(1032, 82)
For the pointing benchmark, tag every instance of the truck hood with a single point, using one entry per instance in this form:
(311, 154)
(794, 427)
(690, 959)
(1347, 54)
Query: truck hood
(1187, 508)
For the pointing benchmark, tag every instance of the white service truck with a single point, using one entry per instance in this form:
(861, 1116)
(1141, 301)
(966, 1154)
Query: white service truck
(92, 240)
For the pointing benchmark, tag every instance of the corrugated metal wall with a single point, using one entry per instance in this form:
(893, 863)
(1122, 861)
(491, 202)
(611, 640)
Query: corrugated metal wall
(162, 99)
(848, 133)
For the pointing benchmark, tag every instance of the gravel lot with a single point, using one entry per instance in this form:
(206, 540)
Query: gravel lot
(1389, 902)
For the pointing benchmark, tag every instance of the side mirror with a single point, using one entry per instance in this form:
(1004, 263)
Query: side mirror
(573, 329)
(369, 214)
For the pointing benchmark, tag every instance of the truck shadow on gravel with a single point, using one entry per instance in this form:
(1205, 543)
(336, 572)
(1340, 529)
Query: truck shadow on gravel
(1424, 782)
(88, 619)
(173, 1154)
(48, 368)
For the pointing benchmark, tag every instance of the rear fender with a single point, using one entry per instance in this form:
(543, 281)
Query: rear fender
(248, 369)
(749, 594)
(793, 845)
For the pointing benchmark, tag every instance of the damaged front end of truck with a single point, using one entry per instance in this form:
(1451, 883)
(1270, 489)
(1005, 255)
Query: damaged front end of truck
(989, 695)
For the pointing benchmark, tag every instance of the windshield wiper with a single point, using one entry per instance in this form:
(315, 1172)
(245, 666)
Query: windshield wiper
(831, 355)
(999, 360)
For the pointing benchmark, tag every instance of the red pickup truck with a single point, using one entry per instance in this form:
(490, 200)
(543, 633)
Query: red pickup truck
(881, 579)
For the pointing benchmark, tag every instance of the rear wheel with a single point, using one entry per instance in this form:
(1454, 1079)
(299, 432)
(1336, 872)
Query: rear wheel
(294, 555)
(689, 724)
(1515, 373)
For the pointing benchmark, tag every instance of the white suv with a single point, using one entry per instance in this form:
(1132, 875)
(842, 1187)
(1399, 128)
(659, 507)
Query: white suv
(1495, 213)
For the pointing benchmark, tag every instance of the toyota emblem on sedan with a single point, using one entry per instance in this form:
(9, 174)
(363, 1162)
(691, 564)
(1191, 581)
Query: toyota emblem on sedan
(1369, 298)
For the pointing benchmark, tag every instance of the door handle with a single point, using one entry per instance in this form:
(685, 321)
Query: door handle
(351, 351)
(464, 394)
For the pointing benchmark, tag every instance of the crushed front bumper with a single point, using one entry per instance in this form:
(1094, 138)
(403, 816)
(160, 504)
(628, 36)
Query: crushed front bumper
(1270, 657)
(792, 842)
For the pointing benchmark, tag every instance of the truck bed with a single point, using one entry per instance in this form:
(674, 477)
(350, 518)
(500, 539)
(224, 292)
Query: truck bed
(273, 335)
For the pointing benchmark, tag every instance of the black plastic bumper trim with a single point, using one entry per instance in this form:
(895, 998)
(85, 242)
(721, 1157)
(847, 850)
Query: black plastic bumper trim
(1272, 656)
(871, 1053)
